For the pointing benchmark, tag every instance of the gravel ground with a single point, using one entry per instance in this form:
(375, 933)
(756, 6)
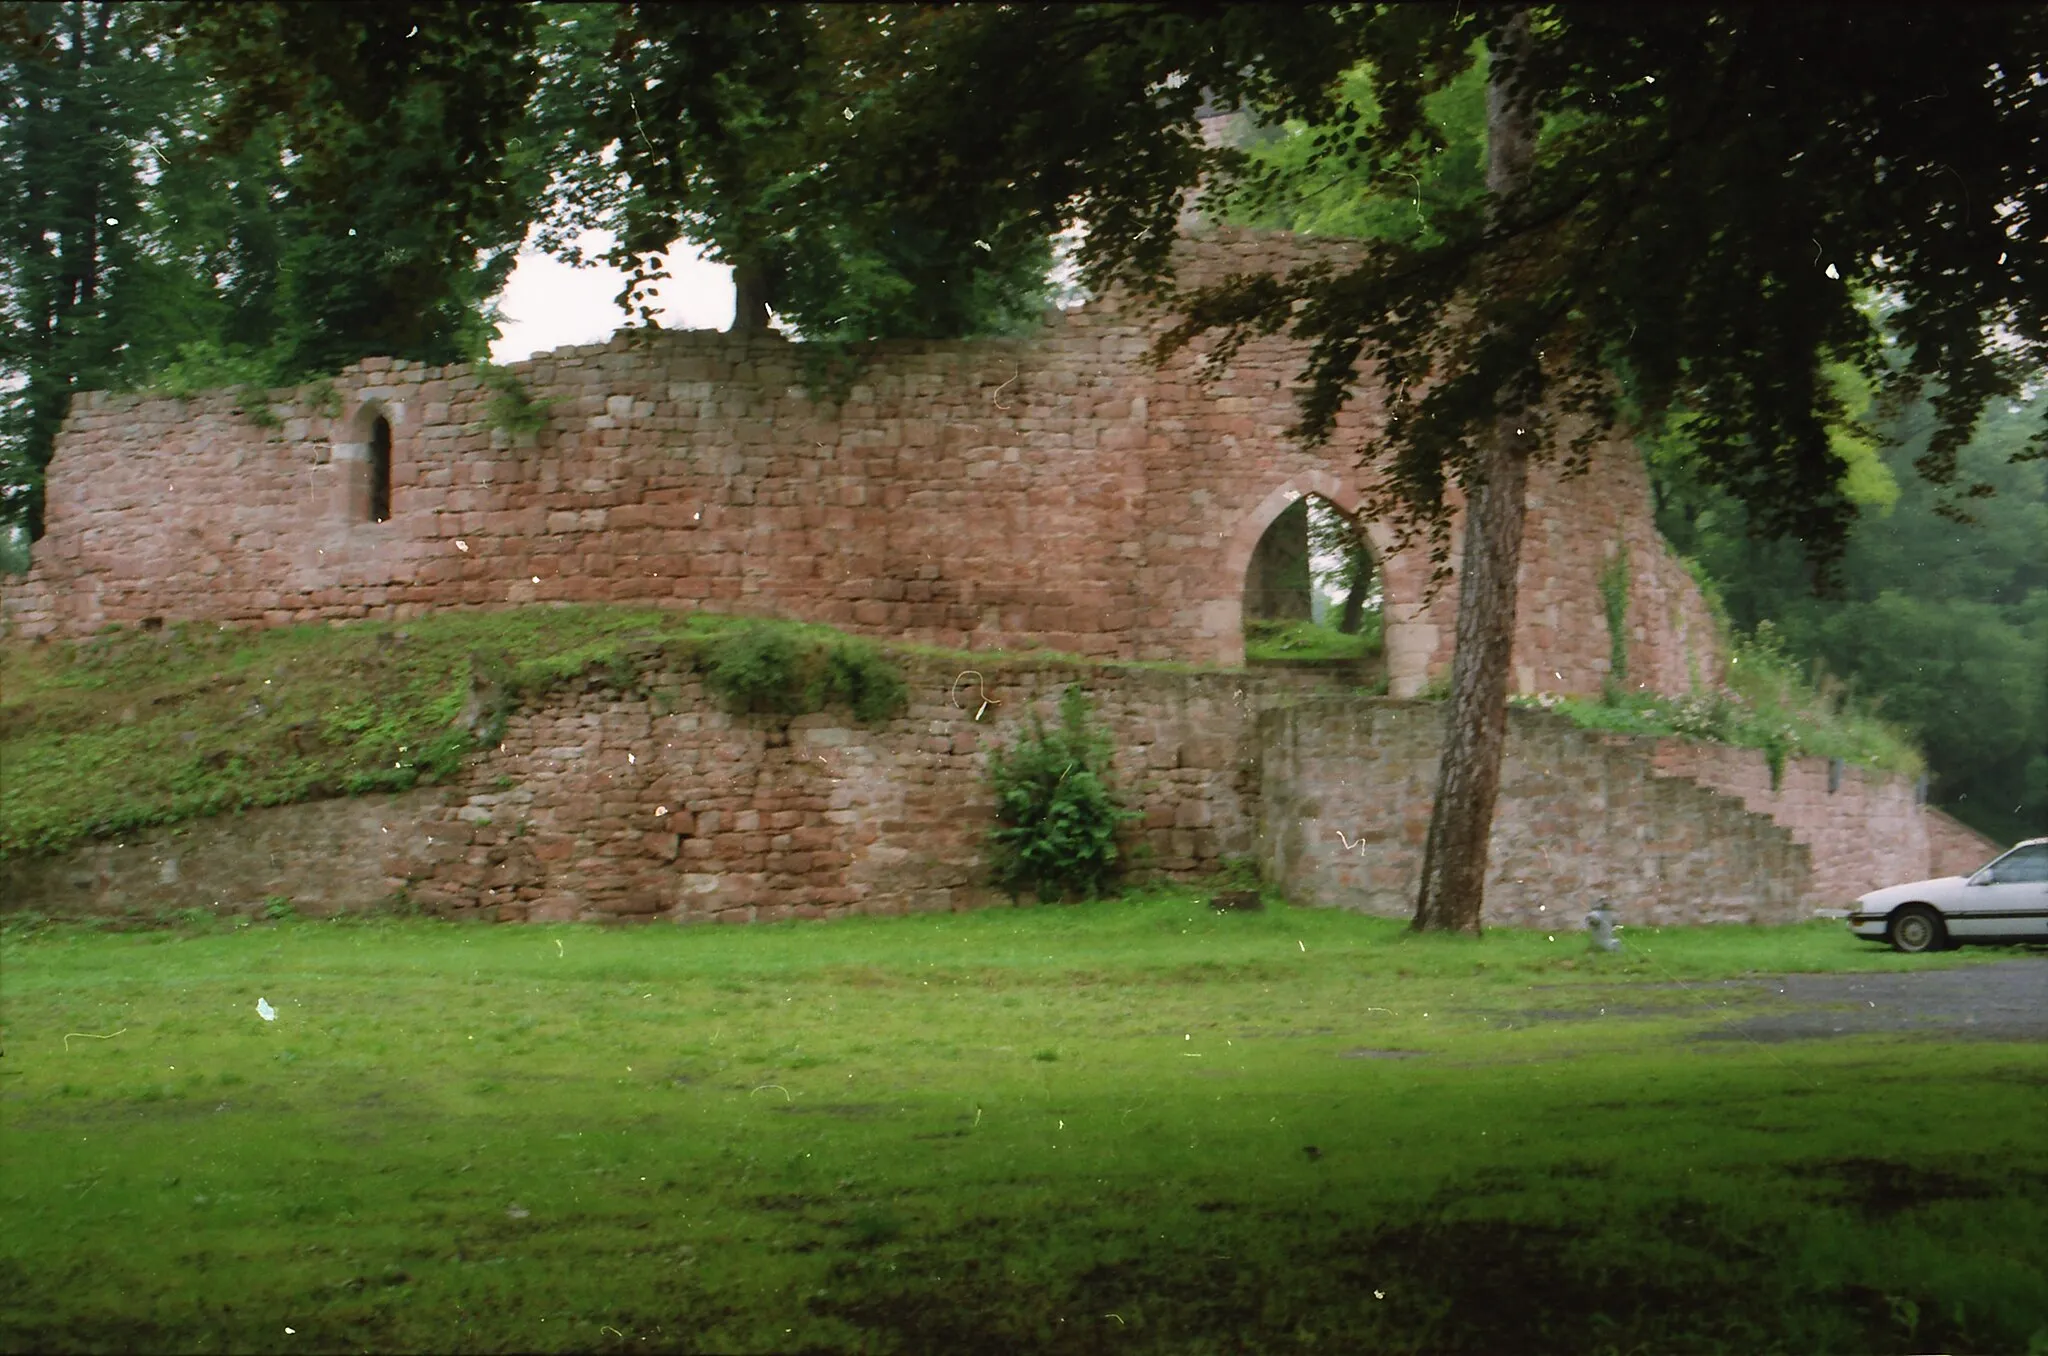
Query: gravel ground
(2005, 1001)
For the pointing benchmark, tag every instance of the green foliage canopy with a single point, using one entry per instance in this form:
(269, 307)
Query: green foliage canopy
(1943, 625)
(1714, 190)
(731, 126)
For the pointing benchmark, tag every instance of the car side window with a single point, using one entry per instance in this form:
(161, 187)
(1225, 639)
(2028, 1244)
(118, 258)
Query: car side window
(2022, 866)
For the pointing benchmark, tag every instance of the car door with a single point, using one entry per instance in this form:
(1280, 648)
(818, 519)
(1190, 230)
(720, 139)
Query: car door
(2007, 899)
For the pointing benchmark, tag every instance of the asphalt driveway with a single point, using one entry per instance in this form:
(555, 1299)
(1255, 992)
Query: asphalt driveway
(2006, 1001)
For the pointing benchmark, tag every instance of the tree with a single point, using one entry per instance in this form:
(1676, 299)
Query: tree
(215, 195)
(82, 95)
(727, 125)
(395, 137)
(1684, 205)
(1943, 626)
(1333, 535)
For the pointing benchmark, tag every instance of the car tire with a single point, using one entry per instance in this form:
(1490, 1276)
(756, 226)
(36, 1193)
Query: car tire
(1916, 929)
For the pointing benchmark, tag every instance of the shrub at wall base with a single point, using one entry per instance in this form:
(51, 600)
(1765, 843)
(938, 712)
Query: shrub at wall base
(1057, 820)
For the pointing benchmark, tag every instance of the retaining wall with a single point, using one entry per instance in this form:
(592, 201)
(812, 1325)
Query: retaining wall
(651, 802)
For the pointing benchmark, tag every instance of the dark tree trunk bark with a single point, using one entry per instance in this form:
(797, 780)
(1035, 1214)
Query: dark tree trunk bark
(749, 300)
(1354, 599)
(1468, 779)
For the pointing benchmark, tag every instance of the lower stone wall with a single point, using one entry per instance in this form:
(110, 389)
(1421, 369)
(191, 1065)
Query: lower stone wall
(1347, 788)
(1864, 829)
(651, 802)
(324, 856)
(656, 804)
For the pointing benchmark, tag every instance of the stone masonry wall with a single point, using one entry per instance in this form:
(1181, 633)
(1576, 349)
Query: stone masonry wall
(1954, 848)
(656, 803)
(1347, 789)
(326, 857)
(651, 802)
(1056, 492)
(1865, 829)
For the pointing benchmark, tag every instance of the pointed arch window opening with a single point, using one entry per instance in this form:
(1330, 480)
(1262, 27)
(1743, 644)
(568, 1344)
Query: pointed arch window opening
(380, 470)
(1313, 567)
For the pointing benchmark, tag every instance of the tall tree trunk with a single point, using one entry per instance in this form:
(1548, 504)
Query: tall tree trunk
(1354, 597)
(1468, 780)
(749, 300)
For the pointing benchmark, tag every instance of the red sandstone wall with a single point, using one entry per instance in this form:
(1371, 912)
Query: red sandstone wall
(1867, 833)
(1347, 788)
(653, 803)
(994, 495)
(1954, 848)
(657, 804)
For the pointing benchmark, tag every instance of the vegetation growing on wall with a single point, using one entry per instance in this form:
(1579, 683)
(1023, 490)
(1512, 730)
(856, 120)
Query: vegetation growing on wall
(790, 670)
(1056, 818)
(1769, 705)
(512, 408)
(135, 728)
(1941, 625)
(1614, 594)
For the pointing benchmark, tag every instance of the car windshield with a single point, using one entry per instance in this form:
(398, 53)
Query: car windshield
(2023, 865)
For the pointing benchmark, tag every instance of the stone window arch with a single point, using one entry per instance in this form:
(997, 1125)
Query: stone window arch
(1314, 562)
(1279, 567)
(366, 459)
(380, 470)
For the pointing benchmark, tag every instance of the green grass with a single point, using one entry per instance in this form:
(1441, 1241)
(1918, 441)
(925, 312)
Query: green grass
(1270, 640)
(1129, 1125)
(134, 728)
(1769, 705)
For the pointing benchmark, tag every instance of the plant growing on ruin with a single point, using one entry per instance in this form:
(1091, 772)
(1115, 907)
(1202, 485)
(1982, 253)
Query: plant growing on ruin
(1614, 593)
(252, 402)
(512, 408)
(780, 670)
(324, 397)
(1056, 818)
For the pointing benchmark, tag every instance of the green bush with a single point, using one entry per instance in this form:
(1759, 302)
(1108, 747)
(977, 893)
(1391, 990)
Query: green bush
(780, 670)
(1056, 820)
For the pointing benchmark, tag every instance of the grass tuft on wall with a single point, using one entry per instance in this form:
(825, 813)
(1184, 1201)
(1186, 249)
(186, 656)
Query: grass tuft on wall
(1769, 705)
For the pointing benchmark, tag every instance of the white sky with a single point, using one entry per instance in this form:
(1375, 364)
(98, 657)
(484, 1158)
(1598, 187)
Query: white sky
(546, 304)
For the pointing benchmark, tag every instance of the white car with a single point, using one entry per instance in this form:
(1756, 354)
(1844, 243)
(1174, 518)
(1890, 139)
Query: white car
(2007, 901)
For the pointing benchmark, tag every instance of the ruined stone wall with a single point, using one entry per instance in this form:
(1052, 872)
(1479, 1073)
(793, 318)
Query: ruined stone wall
(656, 803)
(1347, 789)
(653, 803)
(1864, 829)
(1056, 491)
(1954, 848)
(325, 857)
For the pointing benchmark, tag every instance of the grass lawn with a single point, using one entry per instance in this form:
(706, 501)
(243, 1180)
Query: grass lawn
(1121, 1126)
(1311, 640)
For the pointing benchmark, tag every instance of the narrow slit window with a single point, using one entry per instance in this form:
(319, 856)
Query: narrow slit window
(380, 471)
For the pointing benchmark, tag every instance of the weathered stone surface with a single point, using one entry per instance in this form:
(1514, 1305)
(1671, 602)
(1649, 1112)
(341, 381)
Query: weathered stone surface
(1053, 492)
(324, 856)
(736, 819)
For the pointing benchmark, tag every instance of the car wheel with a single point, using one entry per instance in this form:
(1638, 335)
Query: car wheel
(1915, 929)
